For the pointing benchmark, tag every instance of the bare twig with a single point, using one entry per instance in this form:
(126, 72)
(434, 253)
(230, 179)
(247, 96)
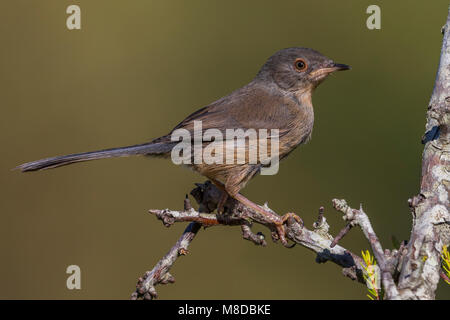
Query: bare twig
(257, 239)
(341, 234)
(160, 273)
(145, 287)
(207, 196)
(359, 218)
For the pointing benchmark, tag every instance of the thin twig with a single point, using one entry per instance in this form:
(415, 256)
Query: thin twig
(207, 196)
(356, 217)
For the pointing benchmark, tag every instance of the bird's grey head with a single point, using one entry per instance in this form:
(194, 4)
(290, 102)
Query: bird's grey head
(298, 69)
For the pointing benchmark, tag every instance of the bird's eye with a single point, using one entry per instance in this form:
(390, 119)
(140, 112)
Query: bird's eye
(300, 65)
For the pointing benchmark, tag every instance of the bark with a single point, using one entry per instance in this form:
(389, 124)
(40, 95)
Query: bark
(431, 220)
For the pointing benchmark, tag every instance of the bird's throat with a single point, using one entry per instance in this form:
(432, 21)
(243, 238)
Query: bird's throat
(304, 98)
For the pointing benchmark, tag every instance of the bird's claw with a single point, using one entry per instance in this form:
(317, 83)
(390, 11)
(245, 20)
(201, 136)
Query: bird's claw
(281, 230)
(291, 215)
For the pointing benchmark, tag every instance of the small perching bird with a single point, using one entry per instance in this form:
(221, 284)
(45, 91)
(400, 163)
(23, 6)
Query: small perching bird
(278, 98)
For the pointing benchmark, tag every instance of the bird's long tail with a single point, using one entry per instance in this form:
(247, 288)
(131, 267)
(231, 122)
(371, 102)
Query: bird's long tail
(151, 148)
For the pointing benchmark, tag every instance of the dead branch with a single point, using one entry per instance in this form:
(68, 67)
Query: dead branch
(207, 196)
(420, 270)
(359, 218)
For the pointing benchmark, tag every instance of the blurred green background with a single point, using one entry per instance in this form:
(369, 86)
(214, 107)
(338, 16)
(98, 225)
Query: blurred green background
(138, 67)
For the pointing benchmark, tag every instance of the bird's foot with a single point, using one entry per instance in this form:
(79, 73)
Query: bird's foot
(291, 215)
(271, 218)
(281, 230)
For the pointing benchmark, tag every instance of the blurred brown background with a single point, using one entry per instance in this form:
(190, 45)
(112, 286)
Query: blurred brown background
(138, 67)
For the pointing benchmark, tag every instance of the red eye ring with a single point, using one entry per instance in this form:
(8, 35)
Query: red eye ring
(300, 64)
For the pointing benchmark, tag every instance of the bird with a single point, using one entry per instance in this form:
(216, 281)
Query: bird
(278, 98)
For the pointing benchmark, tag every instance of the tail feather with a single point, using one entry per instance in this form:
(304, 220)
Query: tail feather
(157, 148)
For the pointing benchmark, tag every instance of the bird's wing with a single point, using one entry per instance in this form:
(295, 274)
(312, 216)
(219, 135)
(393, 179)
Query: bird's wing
(251, 107)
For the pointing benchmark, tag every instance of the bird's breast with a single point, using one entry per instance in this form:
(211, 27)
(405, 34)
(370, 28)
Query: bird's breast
(300, 126)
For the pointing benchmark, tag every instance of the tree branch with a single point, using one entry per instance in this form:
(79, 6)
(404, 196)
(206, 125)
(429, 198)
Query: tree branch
(417, 266)
(145, 287)
(207, 196)
(431, 220)
(359, 218)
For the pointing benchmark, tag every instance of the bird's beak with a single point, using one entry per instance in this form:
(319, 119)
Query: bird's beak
(326, 70)
(340, 67)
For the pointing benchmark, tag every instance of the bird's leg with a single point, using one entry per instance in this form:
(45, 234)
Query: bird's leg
(223, 198)
(270, 217)
(222, 201)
